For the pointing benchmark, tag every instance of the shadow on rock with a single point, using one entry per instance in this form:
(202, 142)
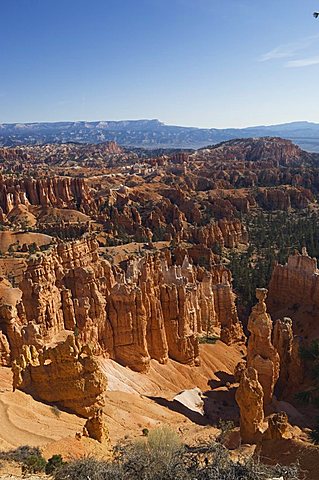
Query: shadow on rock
(223, 379)
(175, 406)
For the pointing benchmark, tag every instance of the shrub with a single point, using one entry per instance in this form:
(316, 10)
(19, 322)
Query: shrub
(88, 467)
(216, 464)
(145, 432)
(211, 339)
(34, 464)
(29, 457)
(314, 434)
(20, 454)
(163, 441)
(53, 464)
(225, 426)
(33, 248)
(56, 411)
(161, 456)
(158, 457)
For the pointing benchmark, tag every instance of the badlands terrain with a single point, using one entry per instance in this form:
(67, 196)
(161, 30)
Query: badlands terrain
(148, 288)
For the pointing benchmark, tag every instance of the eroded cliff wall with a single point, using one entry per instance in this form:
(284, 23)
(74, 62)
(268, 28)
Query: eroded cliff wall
(150, 308)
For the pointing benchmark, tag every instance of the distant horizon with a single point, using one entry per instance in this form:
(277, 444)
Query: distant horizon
(162, 122)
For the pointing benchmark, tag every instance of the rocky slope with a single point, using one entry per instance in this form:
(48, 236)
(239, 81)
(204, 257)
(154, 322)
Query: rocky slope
(275, 150)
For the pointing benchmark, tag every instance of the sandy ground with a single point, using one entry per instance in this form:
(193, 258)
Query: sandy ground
(52, 215)
(134, 401)
(8, 238)
(21, 214)
(120, 253)
(9, 295)
(173, 377)
(24, 421)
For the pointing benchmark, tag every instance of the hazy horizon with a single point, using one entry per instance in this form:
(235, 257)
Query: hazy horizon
(159, 120)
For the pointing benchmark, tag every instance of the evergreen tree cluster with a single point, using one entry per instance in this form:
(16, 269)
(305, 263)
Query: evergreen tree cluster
(273, 237)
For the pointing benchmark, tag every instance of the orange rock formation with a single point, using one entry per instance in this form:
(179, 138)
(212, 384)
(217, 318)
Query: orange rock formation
(95, 427)
(4, 350)
(278, 427)
(150, 308)
(295, 283)
(261, 353)
(55, 192)
(249, 397)
(291, 364)
(66, 375)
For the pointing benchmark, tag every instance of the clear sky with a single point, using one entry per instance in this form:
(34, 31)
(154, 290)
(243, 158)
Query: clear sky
(206, 63)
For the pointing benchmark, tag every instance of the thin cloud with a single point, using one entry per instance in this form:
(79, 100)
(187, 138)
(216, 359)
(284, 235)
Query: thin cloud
(303, 62)
(288, 50)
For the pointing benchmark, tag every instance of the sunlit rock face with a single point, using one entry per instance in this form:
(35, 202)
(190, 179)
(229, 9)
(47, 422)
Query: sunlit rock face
(296, 283)
(150, 308)
(261, 354)
(66, 375)
(249, 397)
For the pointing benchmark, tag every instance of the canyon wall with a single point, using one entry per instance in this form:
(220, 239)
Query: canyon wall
(60, 192)
(293, 284)
(150, 308)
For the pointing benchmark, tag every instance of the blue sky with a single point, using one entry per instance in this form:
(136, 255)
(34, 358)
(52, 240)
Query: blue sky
(206, 63)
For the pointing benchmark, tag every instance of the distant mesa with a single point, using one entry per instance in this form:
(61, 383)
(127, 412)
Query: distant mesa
(150, 134)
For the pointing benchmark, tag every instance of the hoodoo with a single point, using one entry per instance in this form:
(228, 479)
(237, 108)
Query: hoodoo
(65, 375)
(250, 397)
(261, 354)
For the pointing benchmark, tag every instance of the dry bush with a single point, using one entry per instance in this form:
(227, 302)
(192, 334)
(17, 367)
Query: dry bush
(161, 456)
(30, 458)
(20, 454)
(213, 462)
(158, 457)
(89, 468)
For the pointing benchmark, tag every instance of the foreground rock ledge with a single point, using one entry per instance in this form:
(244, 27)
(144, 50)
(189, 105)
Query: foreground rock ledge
(65, 375)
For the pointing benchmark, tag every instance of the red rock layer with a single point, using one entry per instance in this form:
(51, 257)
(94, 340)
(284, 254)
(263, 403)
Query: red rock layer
(60, 192)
